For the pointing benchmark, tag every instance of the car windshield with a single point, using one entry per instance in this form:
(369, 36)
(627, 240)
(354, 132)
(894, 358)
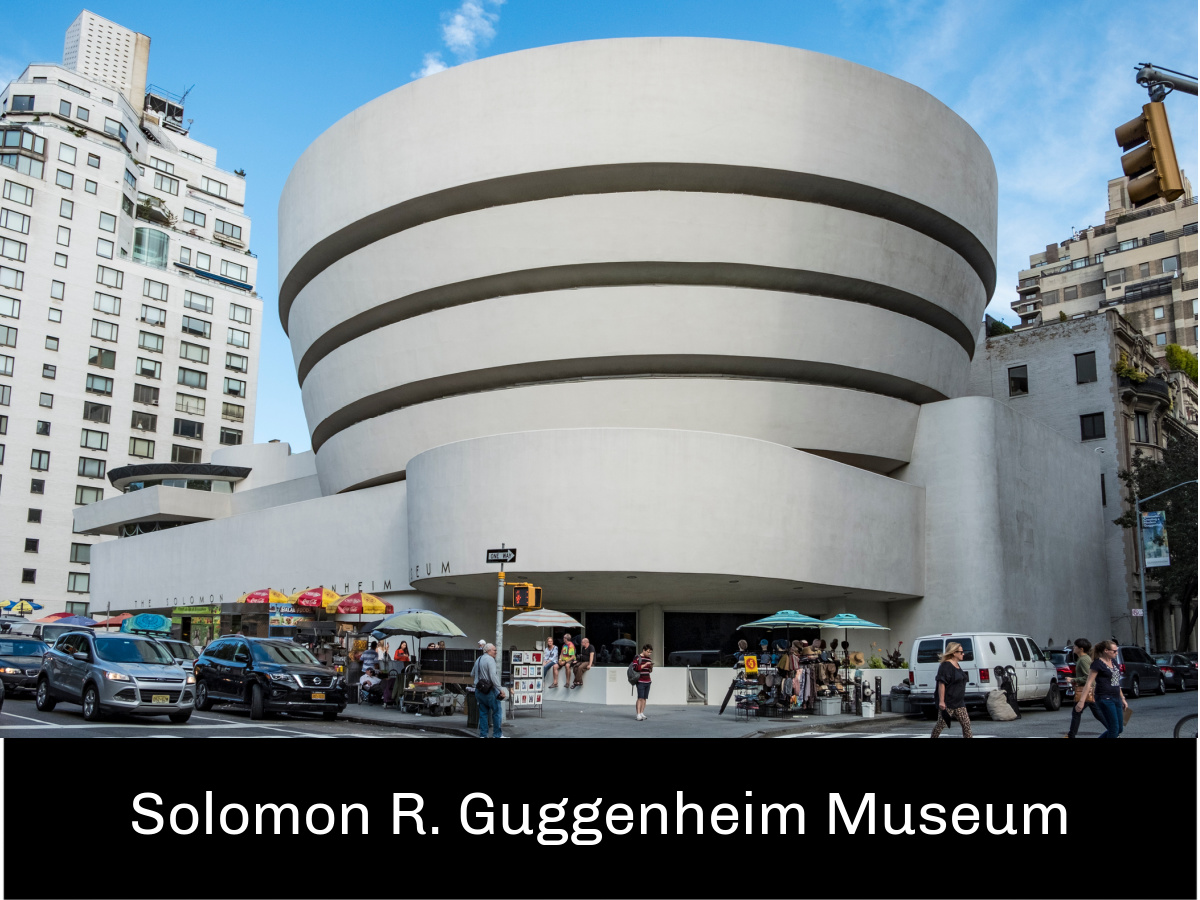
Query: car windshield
(180, 650)
(128, 650)
(282, 652)
(1058, 657)
(22, 648)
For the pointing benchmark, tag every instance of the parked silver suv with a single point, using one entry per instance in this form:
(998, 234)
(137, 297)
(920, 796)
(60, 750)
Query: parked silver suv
(126, 673)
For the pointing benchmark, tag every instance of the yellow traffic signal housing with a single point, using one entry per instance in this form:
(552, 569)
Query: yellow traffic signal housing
(1152, 168)
(525, 596)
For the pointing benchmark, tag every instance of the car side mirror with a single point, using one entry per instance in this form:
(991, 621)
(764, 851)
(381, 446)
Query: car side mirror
(81, 656)
(241, 657)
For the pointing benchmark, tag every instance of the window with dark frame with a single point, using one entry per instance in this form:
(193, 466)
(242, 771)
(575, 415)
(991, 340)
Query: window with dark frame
(1091, 426)
(1018, 381)
(1085, 367)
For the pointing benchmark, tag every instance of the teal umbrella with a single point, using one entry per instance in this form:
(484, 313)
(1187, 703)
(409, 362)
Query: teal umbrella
(850, 621)
(786, 619)
(418, 623)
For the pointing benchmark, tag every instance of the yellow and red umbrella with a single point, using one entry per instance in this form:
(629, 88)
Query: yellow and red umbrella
(320, 597)
(362, 604)
(266, 595)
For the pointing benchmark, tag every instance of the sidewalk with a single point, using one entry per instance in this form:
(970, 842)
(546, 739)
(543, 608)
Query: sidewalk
(573, 720)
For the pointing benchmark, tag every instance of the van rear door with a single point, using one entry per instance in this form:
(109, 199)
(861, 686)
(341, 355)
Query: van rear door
(925, 664)
(969, 662)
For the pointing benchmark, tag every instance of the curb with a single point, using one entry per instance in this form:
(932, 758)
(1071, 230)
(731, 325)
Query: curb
(855, 723)
(452, 730)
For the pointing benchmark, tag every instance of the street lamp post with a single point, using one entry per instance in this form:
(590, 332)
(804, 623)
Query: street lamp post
(1137, 507)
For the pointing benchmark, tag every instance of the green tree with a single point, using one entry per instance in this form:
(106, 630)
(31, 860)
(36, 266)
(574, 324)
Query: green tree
(1146, 477)
(1181, 360)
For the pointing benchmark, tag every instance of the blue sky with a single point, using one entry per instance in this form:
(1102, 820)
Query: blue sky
(1044, 84)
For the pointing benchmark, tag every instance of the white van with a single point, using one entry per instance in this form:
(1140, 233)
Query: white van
(1036, 677)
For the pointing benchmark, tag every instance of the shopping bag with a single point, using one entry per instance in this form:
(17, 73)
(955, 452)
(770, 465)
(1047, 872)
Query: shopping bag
(1128, 716)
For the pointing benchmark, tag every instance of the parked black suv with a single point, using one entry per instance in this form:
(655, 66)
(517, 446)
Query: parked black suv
(1139, 672)
(267, 674)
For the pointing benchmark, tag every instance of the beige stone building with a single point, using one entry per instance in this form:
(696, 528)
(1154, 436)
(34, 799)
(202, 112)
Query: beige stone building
(1141, 262)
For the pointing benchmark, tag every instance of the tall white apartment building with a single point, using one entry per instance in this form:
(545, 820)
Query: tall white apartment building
(108, 53)
(129, 325)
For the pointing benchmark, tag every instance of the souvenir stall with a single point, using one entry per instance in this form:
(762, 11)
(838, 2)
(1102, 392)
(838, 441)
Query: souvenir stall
(525, 690)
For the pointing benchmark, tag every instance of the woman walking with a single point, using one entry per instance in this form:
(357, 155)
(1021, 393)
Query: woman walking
(643, 665)
(1083, 667)
(1110, 699)
(952, 691)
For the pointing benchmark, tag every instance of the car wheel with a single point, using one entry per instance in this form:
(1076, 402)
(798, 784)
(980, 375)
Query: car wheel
(1182, 684)
(180, 718)
(257, 702)
(1053, 700)
(329, 714)
(203, 701)
(42, 700)
(1162, 686)
(91, 704)
(1135, 688)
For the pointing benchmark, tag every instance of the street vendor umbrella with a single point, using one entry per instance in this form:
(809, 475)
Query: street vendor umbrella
(266, 595)
(54, 617)
(22, 606)
(115, 620)
(318, 597)
(544, 618)
(850, 621)
(785, 618)
(76, 620)
(418, 623)
(361, 604)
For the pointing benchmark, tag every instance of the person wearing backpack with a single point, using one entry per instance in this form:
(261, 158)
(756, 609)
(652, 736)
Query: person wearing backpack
(488, 693)
(642, 666)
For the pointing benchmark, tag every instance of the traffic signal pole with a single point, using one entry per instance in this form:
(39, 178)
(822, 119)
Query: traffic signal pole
(500, 611)
(1160, 82)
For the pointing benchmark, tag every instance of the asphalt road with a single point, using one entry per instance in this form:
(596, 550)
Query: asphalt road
(20, 718)
(1153, 717)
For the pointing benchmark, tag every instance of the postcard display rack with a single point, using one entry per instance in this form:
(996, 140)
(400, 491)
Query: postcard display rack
(527, 672)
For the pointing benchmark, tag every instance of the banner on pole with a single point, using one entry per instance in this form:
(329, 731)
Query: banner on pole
(1154, 540)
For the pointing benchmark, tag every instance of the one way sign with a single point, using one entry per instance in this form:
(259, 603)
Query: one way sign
(507, 555)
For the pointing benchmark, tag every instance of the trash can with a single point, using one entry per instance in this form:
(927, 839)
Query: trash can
(353, 674)
(472, 709)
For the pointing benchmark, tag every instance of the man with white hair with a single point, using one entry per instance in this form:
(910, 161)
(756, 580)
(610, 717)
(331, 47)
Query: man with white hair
(486, 676)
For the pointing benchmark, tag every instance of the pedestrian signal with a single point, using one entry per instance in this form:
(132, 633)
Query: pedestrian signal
(525, 596)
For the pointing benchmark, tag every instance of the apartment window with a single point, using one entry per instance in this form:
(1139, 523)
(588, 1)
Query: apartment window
(185, 454)
(18, 193)
(186, 403)
(141, 447)
(45, 400)
(97, 384)
(64, 179)
(126, 205)
(93, 440)
(185, 256)
(238, 338)
(1160, 339)
(67, 153)
(22, 103)
(197, 327)
(3, 424)
(10, 307)
(131, 180)
(231, 436)
(235, 388)
(1085, 368)
(151, 246)
(1170, 264)
(39, 460)
(58, 290)
(1144, 270)
(116, 129)
(107, 303)
(162, 165)
(14, 221)
(14, 250)
(49, 371)
(200, 302)
(34, 516)
(85, 495)
(1091, 426)
(192, 378)
(23, 164)
(28, 576)
(6, 366)
(113, 278)
(1018, 381)
(108, 222)
(149, 368)
(151, 342)
(54, 314)
(37, 485)
(96, 412)
(1141, 427)
(66, 208)
(237, 362)
(203, 261)
(194, 352)
(193, 218)
(144, 393)
(233, 411)
(81, 553)
(214, 187)
(15, 279)
(43, 428)
(77, 583)
(1071, 293)
(104, 331)
(31, 545)
(1, 454)
(186, 428)
(239, 313)
(89, 186)
(8, 336)
(152, 315)
(144, 421)
(63, 238)
(93, 159)
(228, 229)
(234, 271)
(165, 183)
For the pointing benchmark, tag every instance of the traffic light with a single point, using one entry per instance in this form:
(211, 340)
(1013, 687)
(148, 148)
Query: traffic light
(525, 596)
(1152, 168)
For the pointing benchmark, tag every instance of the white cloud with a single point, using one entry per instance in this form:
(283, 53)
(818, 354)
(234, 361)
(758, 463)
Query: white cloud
(465, 31)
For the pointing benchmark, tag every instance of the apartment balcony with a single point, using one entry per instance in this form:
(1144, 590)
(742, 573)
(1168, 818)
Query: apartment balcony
(1027, 286)
(1150, 389)
(151, 209)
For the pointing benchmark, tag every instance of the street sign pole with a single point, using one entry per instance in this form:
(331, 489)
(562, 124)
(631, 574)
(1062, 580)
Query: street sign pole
(500, 611)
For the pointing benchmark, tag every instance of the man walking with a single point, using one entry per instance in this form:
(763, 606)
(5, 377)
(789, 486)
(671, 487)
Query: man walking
(584, 660)
(488, 693)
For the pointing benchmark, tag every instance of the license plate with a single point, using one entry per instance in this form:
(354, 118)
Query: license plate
(318, 696)
(160, 698)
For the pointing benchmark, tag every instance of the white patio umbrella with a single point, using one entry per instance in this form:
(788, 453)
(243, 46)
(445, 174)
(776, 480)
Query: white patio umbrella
(544, 618)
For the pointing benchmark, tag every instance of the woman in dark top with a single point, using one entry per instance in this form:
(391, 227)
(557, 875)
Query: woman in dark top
(952, 691)
(1110, 700)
